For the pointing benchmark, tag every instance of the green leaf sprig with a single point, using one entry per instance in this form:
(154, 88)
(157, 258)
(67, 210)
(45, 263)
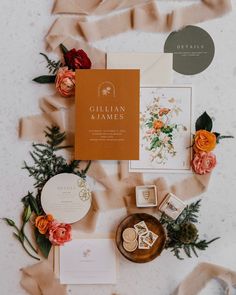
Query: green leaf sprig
(52, 66)
(182, 233)
(204, 122)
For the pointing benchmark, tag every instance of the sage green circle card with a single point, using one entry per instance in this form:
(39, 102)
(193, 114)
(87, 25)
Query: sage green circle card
(193, 50)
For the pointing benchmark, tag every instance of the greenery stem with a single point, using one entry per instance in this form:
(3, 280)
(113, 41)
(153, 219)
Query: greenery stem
(225, 136)
(87, 168)
(26, 250)
(27, 240)
(22, 242)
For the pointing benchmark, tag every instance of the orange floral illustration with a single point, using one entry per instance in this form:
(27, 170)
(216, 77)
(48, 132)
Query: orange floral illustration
(157, 124)
(164, 111)
(159, 129)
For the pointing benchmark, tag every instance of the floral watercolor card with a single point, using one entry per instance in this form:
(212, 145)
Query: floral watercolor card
(165, 130)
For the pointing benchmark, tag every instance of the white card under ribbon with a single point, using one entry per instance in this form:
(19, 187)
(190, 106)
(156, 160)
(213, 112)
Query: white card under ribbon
(88, 261)
(155, 68)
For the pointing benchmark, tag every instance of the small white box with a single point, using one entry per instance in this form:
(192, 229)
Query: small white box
(172, 206)
(146, 196)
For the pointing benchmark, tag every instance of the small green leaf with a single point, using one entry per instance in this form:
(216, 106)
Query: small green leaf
(187, 250)
(43, 243)
(217, 137)
(27, 213)
(33, 204)
(213, 240)
(45, 79)
(155, 143)
(149, 124)
(220, 137)
(167, 130)
(63, 49)
(9, 221)
(45, 56)
(19, 237)
(204, 122)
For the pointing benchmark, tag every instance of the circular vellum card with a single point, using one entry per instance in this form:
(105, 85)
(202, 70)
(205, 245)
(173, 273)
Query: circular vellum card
(67, 197)
(193, 50)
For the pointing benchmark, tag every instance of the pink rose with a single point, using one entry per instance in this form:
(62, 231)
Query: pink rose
(59, 233)
(65, 82)
(203, 162)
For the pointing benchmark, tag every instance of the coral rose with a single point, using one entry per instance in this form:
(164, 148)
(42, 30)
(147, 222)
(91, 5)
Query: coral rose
(43, 222)
(204, 141)
(164, 111)
(65, 82)
(77, 59)
(203, 162)
(59, 233)
(157, 124)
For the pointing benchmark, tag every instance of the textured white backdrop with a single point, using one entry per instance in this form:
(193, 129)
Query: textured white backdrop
(23, 25)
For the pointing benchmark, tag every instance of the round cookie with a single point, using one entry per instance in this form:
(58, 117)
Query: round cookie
(129, 235)
(131, 246)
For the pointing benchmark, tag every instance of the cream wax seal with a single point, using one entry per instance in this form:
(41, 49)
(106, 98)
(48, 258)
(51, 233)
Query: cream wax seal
(67, 197)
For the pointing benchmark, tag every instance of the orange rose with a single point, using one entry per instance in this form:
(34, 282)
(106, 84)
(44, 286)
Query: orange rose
(157, 124)
(164, 111)
(42, 223)
(204, 141)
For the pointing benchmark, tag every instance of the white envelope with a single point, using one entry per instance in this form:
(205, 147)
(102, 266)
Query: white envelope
(155, 68)
(87, 261)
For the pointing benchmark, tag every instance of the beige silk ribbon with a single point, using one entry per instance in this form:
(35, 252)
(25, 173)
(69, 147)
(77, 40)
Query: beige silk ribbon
(95, 7)
(39, 279)
(143, 17)
(202, 274)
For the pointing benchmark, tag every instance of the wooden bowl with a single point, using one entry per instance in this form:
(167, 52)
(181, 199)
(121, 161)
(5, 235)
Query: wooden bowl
(142, 255)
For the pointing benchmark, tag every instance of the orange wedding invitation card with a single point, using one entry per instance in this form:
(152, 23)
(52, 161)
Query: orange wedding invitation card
(107, 115)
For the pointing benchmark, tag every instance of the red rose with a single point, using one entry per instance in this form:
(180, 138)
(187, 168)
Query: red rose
(77, 59)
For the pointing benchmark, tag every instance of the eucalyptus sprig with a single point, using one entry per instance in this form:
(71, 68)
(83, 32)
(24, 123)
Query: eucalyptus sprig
(182, 233)
(47, 163)
(52, 65)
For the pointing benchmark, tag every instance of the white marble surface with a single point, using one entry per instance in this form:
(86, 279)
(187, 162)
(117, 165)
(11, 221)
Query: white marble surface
(23, 25)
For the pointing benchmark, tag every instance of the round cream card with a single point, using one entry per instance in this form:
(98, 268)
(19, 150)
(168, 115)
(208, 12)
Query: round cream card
(67, 197)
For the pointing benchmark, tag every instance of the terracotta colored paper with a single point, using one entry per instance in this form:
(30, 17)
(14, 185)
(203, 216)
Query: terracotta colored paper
(107, 115)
